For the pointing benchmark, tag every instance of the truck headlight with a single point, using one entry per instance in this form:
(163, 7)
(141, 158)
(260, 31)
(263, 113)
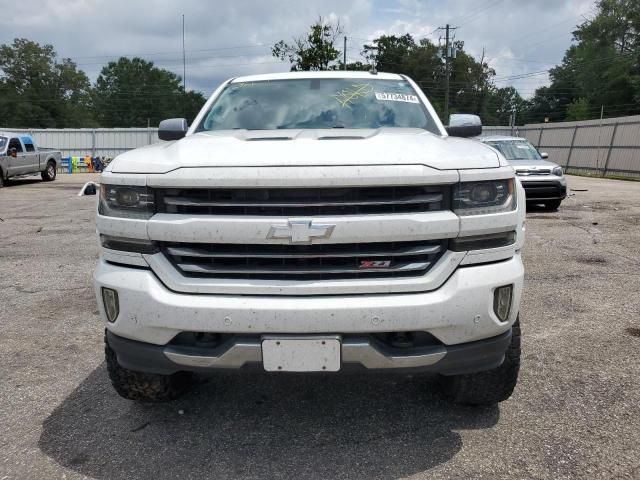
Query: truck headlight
(126, 201)
(557, 171)
(479, 198)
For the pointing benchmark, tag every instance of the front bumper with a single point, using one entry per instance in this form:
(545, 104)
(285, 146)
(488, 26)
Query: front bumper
(355, 353)
(459, 312)
(544, 187)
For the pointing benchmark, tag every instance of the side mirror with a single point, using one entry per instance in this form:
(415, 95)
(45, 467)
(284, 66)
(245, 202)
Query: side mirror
(173, 129)
(464, 125)
(544, 155)
(89, 188)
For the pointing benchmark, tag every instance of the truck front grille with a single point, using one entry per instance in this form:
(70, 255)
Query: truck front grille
(304, 262)
(302, 201)
(535, 171)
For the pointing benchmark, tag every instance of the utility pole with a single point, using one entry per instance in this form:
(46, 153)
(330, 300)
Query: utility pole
(344, 54)
(184, 60)
(184, 74)
(446, 75)
(512, 120)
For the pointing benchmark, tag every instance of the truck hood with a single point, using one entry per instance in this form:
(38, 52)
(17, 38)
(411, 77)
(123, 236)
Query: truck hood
(532, 164)
(244, 148)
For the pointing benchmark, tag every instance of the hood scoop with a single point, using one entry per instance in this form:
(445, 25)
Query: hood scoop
(267, 139)
(342, 137)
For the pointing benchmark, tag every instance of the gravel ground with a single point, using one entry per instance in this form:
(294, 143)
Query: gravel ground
(574, 413)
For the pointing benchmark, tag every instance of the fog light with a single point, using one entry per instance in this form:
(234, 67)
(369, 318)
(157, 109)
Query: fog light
(110, 301)
(502, 302)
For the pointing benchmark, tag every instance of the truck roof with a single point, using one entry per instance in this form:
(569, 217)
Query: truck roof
(322, 74)
(14, 134)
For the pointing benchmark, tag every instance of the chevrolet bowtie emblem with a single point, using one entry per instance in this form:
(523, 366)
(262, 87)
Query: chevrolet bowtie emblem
(300, 231)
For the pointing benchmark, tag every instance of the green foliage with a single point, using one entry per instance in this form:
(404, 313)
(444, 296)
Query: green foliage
(601, 69)
(578, 110)
(134, 93)
(315, 52)
(470, 81)
(37, 91)
(390, 53)
(500, 104)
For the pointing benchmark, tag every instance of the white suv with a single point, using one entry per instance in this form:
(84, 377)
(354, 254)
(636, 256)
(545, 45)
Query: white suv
(312, 222)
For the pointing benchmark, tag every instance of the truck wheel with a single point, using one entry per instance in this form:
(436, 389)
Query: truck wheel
(2, 181)
(552, 205)
(49, 173)
(144, 387)
(491, 386)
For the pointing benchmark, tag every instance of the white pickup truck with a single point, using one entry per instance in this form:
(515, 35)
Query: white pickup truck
(312, 222)
(20, 156)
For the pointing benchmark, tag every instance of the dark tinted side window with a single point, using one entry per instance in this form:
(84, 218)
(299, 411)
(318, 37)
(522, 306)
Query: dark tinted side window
(15, 143)
(29, 147)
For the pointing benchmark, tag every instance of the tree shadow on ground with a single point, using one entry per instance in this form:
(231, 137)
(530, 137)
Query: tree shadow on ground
(250, 425)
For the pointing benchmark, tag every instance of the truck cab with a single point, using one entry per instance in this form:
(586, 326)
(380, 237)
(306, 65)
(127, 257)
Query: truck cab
(19, 156)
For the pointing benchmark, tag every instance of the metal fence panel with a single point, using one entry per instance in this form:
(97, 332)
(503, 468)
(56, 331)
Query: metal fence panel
(96, 142)
(595, 146)
(610, 146)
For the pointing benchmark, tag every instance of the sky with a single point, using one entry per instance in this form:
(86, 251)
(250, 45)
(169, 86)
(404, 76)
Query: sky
(521, 39)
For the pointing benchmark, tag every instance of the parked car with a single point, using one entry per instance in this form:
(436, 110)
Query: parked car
(20, 156)
(543, 181)
(312, 222)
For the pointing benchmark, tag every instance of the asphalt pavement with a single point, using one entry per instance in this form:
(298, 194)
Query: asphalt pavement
(574, 414)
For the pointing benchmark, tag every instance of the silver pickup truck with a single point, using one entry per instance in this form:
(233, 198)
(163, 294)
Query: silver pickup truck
(19, 156)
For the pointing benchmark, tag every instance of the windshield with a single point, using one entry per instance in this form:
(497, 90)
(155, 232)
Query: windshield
(516, 149)
(318, 103)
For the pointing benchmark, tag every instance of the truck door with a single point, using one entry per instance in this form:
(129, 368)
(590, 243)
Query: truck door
(32, 157)
(17, 164)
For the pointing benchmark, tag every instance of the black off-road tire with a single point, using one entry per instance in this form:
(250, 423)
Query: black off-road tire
(491, 386)
(552, 205)
(2, 180)
(144, 387)
(49, 174)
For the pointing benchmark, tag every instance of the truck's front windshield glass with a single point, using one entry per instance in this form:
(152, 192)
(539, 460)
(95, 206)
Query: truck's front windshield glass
(318, 103)
(516, 150)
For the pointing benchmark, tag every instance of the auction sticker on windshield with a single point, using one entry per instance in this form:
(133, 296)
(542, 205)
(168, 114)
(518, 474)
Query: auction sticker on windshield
(397, 97)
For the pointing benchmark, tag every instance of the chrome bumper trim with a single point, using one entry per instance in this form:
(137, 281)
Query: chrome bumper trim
(360, 351)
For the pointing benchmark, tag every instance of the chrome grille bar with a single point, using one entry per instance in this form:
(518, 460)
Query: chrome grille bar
(195, 268)
(304, 262)
(191, 202)
(258, 253)
(303, 201)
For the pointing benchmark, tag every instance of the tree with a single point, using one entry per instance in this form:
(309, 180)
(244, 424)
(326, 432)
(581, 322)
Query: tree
(390, 53)
(470, 80)
(315, 52)
(135, 93)
(601, 69)
(501, 103)
(37, 91)
(578, 110)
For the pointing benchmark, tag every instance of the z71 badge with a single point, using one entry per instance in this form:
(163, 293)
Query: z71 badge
(375, 263)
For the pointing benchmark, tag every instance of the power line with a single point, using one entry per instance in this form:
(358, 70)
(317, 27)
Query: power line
(474, 16)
